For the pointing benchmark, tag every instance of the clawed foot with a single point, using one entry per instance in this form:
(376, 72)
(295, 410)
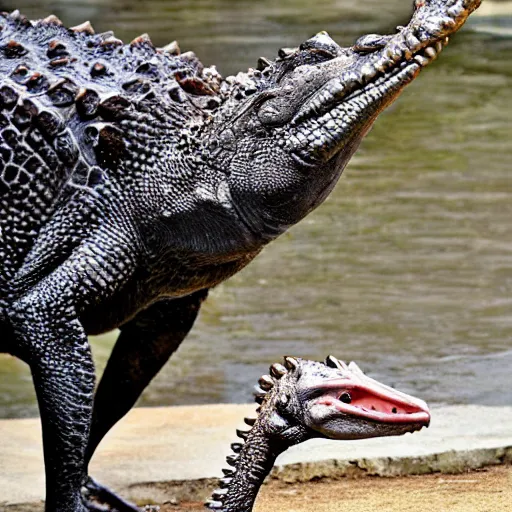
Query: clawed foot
(101, 499)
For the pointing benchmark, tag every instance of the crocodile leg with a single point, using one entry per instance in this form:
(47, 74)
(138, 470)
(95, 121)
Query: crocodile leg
(52, 341)
(6, 334)
(143, 347)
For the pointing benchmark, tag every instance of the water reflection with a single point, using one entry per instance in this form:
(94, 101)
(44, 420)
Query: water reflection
(408, 265)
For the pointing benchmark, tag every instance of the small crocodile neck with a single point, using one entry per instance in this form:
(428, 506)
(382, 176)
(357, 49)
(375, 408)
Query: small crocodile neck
(254, 463)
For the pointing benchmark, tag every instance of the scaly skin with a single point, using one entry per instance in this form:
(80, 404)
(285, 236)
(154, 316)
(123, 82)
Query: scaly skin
(133, 179)
(305, 400)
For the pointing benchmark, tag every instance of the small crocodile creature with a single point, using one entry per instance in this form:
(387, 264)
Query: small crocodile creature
(133, 179)
(304, 400)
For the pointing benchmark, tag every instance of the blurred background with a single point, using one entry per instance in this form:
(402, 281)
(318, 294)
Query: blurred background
(407, 267)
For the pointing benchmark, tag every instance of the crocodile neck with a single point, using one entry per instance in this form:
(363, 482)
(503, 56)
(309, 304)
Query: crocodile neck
(270, 436)
(254, 463)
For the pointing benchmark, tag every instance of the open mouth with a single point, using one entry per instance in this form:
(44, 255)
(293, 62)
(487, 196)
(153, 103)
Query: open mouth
(369, 402)
(377, 410)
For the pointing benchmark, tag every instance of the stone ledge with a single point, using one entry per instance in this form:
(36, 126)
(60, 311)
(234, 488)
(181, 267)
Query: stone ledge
(450, 462)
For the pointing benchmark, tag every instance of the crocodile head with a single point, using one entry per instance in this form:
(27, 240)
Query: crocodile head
(336, 401)
(286, 130)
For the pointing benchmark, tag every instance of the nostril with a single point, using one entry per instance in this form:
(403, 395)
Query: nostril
(394, 410)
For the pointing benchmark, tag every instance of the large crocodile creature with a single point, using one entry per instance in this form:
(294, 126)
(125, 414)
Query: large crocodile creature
(305, 400)
(133, 179)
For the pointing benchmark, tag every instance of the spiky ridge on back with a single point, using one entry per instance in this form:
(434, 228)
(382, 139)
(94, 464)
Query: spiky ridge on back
(79, 77)
(136, 71)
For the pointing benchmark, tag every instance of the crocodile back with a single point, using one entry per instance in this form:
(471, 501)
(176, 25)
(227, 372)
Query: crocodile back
(69, 101)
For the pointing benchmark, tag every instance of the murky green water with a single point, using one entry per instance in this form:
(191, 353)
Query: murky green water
(407, 268)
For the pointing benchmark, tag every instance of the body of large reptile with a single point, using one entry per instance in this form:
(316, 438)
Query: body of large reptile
(133, 179)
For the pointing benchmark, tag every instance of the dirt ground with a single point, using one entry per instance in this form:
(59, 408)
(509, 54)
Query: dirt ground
(487, 490)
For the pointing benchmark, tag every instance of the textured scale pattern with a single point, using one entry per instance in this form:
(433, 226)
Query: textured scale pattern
(64, 96)
(83, 119)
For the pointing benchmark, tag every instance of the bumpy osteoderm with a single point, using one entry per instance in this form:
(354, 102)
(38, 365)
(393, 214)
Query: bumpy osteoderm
(79, 111)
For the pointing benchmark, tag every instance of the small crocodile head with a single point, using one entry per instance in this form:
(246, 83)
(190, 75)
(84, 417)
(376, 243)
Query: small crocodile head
(286, 130)
(302, 400)
(337, 401)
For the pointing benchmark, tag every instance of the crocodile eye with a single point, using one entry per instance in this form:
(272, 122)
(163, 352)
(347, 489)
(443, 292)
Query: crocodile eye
(346, 398)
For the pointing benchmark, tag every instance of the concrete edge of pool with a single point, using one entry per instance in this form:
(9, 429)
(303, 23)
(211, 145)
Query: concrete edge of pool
(187, 446)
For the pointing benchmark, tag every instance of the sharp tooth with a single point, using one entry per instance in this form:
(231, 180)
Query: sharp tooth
(368, 70)
(453, 12)
(446, 40)
(335, 87)
(412, 41)
(430, 53)
(353, 77)
(422, 61)
(439, 46)
(397, 53)
(448, 23)
(380, 66)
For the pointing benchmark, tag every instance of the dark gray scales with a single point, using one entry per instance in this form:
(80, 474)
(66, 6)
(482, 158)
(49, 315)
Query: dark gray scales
(133, 179)
(61, 92)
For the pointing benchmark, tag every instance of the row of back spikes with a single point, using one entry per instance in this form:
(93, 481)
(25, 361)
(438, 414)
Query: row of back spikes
(86, 28)
(265, 384)
(171, 48)
(144, 39)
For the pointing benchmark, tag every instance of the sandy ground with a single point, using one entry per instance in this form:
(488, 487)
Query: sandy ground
(482, 491)
(487, 490)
